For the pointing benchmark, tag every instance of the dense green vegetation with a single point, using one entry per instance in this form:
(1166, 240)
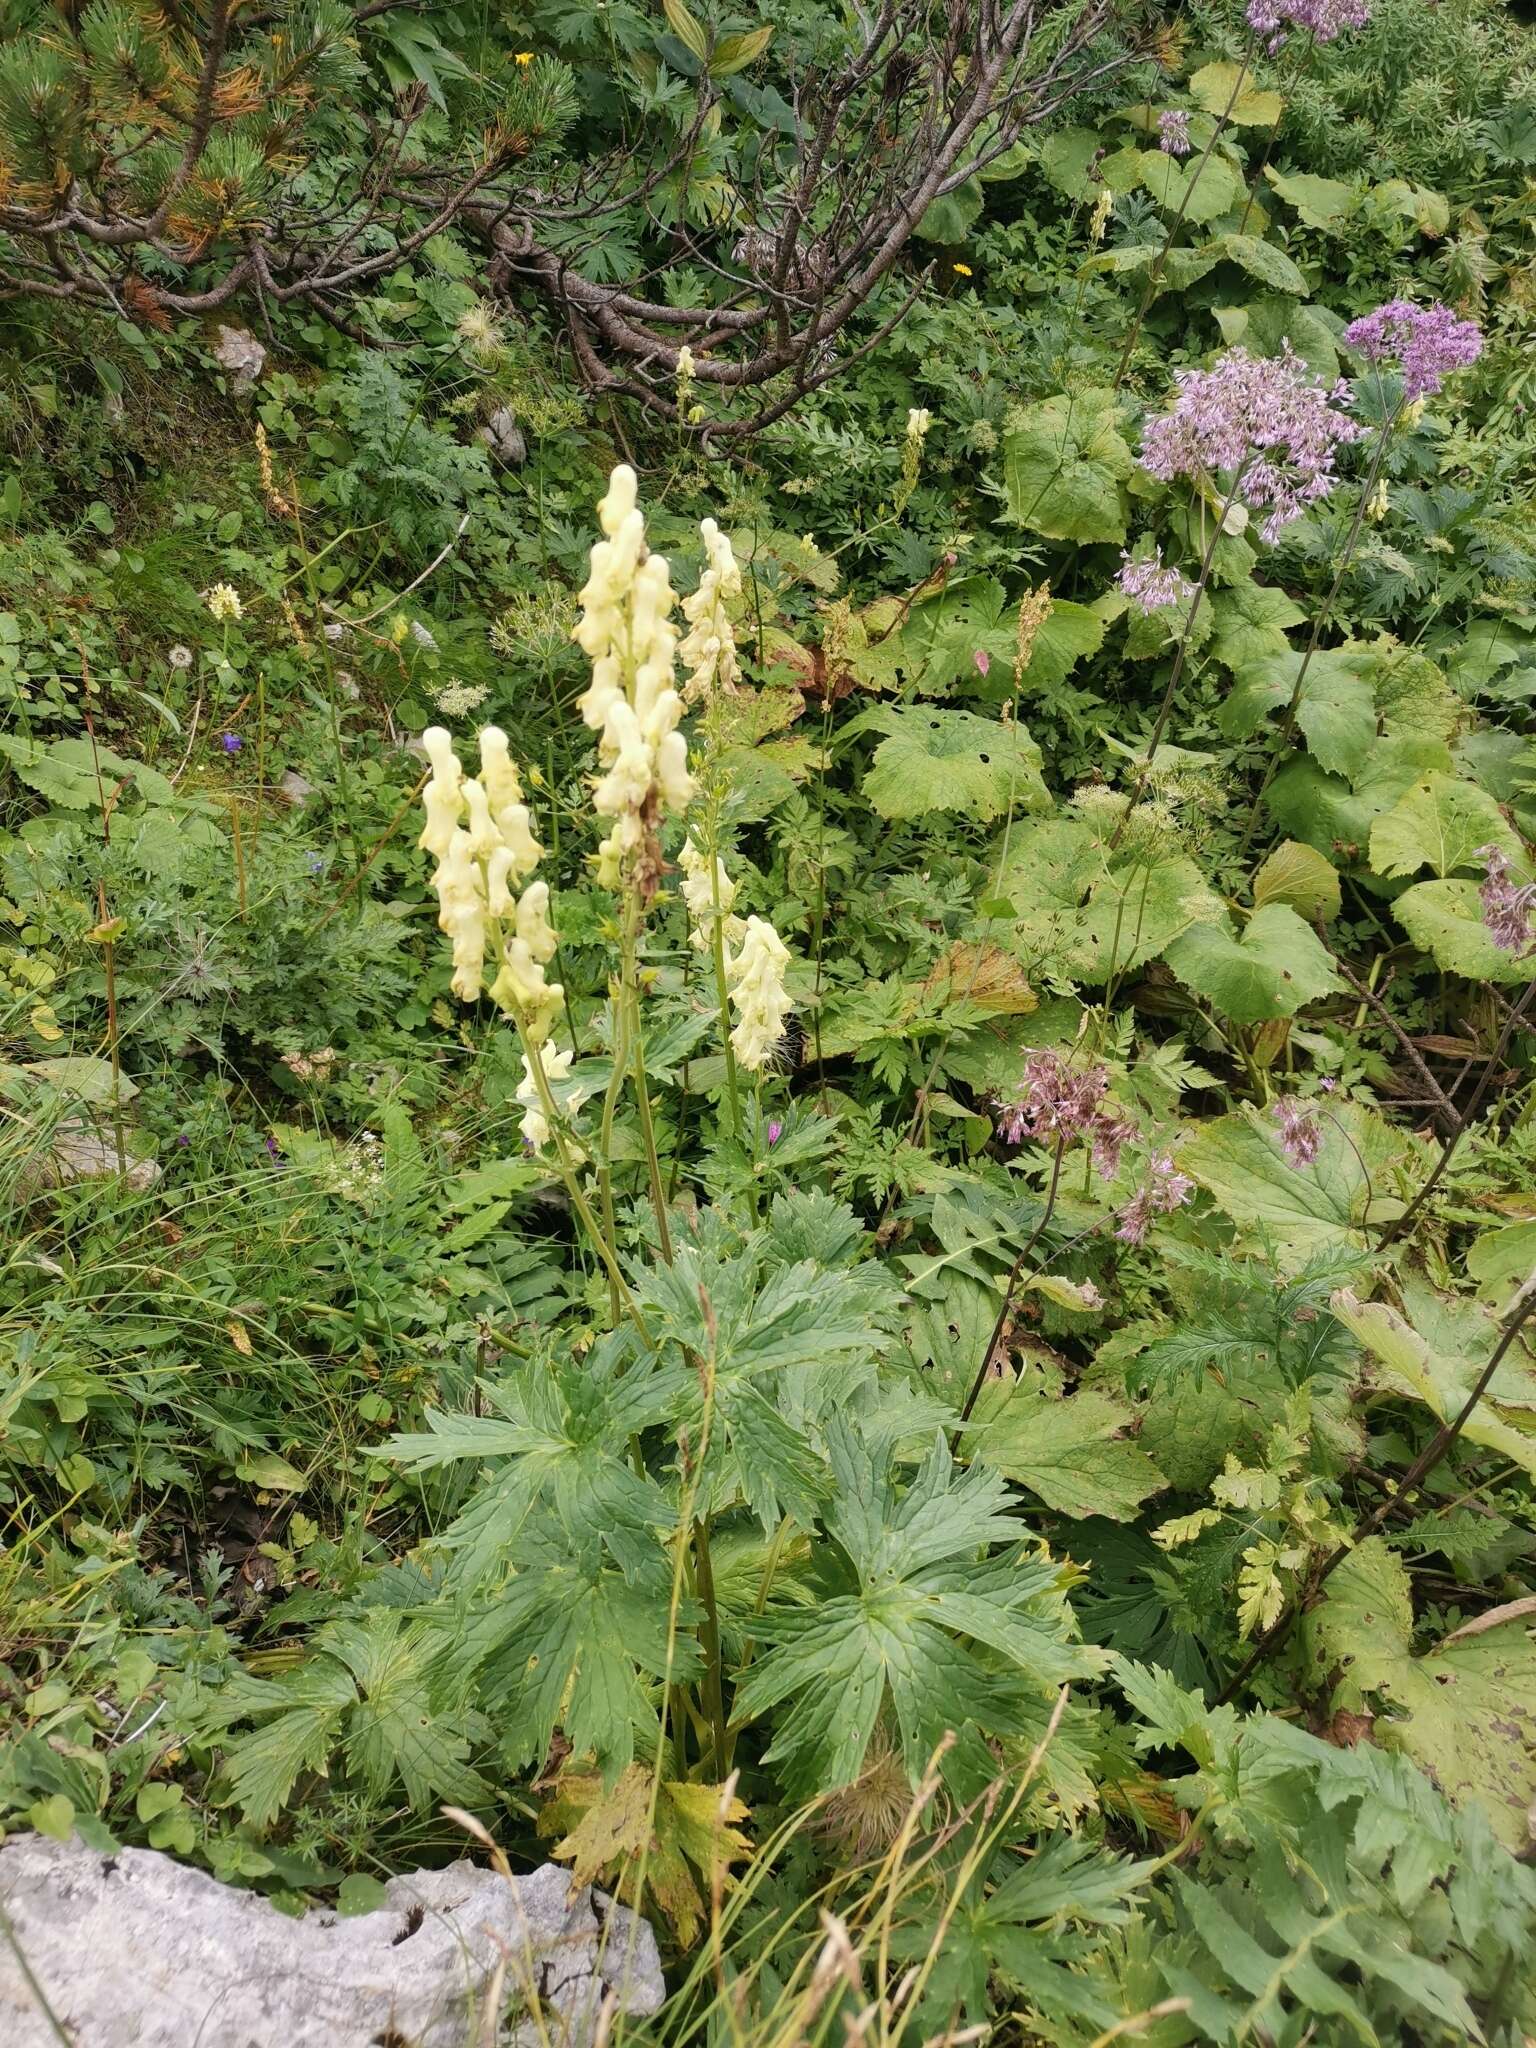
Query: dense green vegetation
(946, 1402)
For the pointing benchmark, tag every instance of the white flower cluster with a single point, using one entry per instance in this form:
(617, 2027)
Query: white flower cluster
(756, 977)
(627, 633)
(700, 893)
(709, 651)
(479, 833)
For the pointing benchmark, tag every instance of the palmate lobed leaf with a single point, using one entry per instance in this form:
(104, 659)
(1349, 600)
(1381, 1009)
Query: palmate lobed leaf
(682, 1831)
(903, 1616)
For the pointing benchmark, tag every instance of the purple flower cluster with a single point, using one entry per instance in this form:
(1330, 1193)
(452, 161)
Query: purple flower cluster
(1164, 1190)
(1265, 420)
(1428, 342)
(1173, 133)
(1301, 1135)
(1151, 585)
(1507, 905)
(1323, 19)
(1054, 1101)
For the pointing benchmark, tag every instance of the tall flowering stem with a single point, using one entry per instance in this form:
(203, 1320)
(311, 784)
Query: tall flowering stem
(1276, 431)
(633, 704)
(495, 913)
(1428, 343)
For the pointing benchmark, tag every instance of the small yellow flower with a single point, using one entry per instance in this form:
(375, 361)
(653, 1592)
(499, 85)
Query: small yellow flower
(223, 601)
(962, 269)
(523, 58)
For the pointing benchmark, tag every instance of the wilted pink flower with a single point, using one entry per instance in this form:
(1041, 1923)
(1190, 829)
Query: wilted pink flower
(1109, 1135)
(1506, 905)
(983, 661)
(1263, 419)
(1324, 19)
(1164, 1190)
(1173, 133)
(1428, 342)
(1301, 1135)
(775, 1132)
(1053, 1100)
(1150, 584)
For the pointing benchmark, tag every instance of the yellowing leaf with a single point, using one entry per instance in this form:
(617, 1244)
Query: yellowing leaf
(1466, 1710)
(691, 1832)
(686, 28)
(1300, 877)
(983, 978)
(1223, 89)
(735, 53)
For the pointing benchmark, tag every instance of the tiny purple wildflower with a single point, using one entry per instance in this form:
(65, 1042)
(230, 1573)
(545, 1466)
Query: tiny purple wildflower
(231, 743)
(775, 1132)
(183, 1138)
(1301, 1135)
(1506, 905)
(273, 1149)
(1263, 419)
(1428, 342)
(1151, 584)
(1173, 133)
(1164, 1190)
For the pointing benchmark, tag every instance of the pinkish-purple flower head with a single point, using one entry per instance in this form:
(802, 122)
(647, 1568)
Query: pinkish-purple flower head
(1322, 19)
(1173, 133)
(1263, 421)
(1507, 904)
(1164, 1190)
(1151, 584)
(1426, 342)
(1301, 1135)
(1056, 1103)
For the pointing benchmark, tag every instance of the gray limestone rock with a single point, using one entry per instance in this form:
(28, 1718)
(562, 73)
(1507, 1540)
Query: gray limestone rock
(135, 1950)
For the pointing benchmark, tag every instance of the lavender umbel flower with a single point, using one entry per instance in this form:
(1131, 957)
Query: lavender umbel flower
(1151, 584)
(1164, 1190)
(1301, 1135)
(1506, 905)
(1263, 419)
(1428, 342)
(1324, 19)
(1173, 133)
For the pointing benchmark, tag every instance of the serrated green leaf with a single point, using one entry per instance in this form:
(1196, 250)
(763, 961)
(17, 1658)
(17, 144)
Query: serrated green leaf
(1065, 465)
(1276, 967)
(1238, 1159)
(1071, 1451)
(1321, 202)
(1445, 920)
(1199, 187)
(1441, 820)
(952, 761)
